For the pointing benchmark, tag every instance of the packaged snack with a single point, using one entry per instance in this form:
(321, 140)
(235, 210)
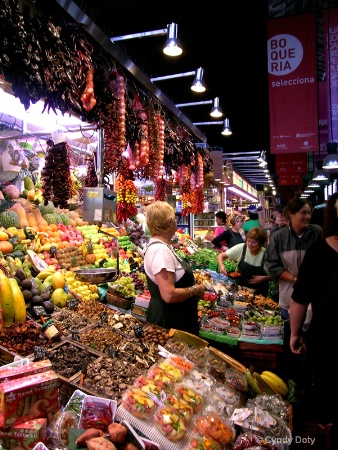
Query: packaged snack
(175, 373)
(97, 412)
(214, 427)
(170, 423)
(181, 407)
(181, 363)
(138, 403)
(193, 399)
(198, 355)
(199, 382)
(176, 346)
(202, 443)
(161, 377)
(148, 385)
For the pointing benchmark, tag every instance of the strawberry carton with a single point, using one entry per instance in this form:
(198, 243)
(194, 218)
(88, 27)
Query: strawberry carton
(25, 435)
(27, 398)
(11, 373)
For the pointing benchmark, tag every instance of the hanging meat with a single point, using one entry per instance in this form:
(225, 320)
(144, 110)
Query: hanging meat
(55, 176)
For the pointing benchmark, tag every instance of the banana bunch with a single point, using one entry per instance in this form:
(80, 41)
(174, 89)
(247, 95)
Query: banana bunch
(46, 273)
(275, 383)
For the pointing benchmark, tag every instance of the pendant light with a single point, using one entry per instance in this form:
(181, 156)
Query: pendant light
(330, 162)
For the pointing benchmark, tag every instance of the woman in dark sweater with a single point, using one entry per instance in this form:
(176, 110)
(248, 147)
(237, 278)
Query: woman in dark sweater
(232, 236)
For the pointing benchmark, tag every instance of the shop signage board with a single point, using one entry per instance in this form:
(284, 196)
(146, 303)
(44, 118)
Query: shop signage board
(291, 164)
(293, 96)
(290, 180)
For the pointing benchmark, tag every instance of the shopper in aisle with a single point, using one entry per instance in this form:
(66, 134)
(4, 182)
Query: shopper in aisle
(320, 263)
(170, 280)
(221, 226)
(287, 247)
(253, 219)
(230, 237)
(250, 261)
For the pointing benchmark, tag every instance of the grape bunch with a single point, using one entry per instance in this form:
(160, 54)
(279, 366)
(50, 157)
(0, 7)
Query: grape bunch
(136, 234)
(139, 280)
(124, 286)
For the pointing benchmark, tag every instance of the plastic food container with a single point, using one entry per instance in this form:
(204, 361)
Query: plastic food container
(161, 377)
(170, 423)
(252, 335)
(58, 428)
(271, 330)
(217, 331)
(222, 324)
(191, 397)
(138, 403)
(99, 410)
(181, 363)
(181, 406)
(214, 427)
(206, 327)
(147, 385)
(275, 337)
(174, 372)
(233, 332)
(249, 325)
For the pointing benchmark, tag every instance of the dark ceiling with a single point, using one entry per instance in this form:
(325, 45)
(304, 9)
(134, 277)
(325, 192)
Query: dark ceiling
(229, 43)
(230, 46)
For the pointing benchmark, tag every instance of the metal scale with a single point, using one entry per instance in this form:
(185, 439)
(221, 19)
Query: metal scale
(99, 203)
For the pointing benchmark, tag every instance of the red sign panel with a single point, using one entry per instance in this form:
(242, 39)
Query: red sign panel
(290, 180)
(293, 92)
(331, 53)
(291, 164)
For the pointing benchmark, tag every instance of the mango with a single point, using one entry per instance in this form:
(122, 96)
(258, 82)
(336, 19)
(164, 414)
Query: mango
(59, 298)
(58, 280)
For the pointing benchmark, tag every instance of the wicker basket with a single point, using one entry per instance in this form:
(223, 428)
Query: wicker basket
(188, 338)
(119, 302)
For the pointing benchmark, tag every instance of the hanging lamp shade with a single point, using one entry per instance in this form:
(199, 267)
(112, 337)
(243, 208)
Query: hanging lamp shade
(330, 162)
(198, 84)
(319, 174)
(172, 46)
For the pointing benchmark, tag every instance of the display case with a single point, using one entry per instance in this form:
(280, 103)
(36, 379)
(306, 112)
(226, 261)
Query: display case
(204, 222)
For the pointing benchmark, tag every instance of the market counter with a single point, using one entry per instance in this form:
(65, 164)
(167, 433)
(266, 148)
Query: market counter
(259, 353)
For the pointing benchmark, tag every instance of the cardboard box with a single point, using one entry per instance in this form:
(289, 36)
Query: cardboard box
(31, 368)
(31, 397)
(25, 435)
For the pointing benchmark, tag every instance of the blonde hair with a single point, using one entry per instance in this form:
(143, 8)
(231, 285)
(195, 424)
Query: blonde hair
(234, 219)
(158, 215)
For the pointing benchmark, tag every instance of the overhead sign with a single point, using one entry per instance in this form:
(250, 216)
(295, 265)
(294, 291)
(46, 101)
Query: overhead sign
(293, 95)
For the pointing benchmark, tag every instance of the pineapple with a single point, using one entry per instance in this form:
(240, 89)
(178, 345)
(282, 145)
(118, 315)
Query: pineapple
(90, 257)
(73, 262)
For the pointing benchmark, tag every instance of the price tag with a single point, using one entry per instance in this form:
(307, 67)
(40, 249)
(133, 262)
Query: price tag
(75, 335)
(39, 353)
(72, 303)
(144, 347)
(112, 352)
(139, 332)
(84, 366)
(38, 311)
(104, 317)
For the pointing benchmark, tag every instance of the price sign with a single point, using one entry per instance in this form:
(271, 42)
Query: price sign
(139, 332)
(144, 347)
(40, 353)
(72, 303)
(75, 335)
(112, 352)
(104, 317)
(38, 311)
(84, 366)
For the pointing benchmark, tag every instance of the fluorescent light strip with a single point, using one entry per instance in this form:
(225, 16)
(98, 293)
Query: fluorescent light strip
(242, 193)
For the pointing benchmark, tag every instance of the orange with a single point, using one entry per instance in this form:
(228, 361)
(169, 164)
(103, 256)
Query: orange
(6, 247)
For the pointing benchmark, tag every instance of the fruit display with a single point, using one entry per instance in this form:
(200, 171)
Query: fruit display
(138, 403)
(171, 424)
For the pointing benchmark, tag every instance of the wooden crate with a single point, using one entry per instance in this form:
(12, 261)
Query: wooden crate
(188, 338)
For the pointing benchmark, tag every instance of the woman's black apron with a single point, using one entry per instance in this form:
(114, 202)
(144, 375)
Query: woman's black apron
(247, 271)
(181, 316)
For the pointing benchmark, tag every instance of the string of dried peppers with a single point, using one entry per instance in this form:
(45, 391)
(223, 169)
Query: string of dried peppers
(126, 199)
